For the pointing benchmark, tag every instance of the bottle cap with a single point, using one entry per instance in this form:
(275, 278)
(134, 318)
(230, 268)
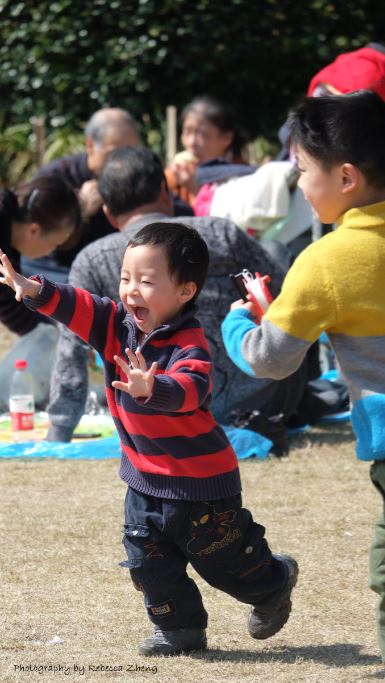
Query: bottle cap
(20, 364)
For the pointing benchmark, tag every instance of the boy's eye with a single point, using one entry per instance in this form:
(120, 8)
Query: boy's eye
(146, 282)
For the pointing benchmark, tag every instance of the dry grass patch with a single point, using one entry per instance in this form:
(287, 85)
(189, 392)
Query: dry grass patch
(60, 552)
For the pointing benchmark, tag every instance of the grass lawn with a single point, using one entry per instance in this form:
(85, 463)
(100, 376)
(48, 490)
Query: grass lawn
(61, 580)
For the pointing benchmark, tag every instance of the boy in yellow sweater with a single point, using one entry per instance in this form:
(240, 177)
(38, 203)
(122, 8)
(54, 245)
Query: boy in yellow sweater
(337, 284)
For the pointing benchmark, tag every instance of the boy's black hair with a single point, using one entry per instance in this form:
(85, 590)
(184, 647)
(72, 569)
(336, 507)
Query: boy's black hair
(341, 129)
(131, 177)
(186, 251)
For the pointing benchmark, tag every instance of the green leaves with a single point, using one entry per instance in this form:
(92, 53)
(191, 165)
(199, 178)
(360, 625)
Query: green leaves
(65, 59)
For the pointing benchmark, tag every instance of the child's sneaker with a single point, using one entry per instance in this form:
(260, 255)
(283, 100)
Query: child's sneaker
(265, 621)
(174, 642)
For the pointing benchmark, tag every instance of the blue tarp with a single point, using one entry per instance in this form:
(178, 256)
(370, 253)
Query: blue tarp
(100, 449)
(245, 443)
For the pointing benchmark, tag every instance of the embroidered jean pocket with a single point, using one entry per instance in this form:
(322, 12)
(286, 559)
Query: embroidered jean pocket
(251, 557)
(135, 538)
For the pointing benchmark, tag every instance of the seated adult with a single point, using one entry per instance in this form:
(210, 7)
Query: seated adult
(209, 131)
(107, 129)
(134, 190)
(34, 219)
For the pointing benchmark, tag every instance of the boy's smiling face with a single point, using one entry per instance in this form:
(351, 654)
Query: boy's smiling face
(147, 289)
(327, 190)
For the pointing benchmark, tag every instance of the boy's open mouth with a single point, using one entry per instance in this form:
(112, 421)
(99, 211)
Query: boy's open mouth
(140, 313)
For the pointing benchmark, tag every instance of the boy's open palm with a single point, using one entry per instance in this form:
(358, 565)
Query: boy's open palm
(9, 276)
(140, 380)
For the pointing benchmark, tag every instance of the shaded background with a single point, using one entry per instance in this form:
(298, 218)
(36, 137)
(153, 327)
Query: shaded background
(62, 60)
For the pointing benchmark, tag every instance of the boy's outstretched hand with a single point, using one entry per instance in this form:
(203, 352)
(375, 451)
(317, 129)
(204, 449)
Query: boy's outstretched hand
(140, 380)
(21, 285)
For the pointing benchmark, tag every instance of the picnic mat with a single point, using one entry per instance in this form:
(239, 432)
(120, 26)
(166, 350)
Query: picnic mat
(95, 438)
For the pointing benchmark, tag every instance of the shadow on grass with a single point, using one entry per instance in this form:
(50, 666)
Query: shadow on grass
(337, 655)
(326, 434)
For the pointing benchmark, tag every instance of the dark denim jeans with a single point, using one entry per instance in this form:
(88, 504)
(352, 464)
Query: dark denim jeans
(220, 540)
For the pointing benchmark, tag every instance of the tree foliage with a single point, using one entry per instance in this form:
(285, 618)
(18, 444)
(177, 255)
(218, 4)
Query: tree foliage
(63, 59)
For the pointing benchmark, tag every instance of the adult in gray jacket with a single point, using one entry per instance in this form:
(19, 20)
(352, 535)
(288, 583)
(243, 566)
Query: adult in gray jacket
(134, 190)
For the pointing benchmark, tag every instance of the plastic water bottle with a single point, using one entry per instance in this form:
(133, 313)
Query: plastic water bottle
(21, 403)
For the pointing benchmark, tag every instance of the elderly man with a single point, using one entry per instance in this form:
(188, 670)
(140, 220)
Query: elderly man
(134, 191)
(107, 129)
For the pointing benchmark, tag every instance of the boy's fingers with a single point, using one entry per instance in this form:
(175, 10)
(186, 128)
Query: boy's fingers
(122, 364)
(132, 358)
(236, 304)
(6, 262)
(141, 361)
(120, 385)
(153, 368)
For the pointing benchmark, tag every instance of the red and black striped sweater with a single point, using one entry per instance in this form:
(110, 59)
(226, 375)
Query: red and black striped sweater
(172, 446)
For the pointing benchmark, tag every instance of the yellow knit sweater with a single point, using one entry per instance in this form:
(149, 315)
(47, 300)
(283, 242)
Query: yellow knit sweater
(336, 285)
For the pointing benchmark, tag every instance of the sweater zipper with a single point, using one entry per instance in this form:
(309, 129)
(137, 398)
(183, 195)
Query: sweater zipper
(149, 336)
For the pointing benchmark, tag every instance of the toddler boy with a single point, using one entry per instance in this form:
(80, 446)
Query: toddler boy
(183, 501)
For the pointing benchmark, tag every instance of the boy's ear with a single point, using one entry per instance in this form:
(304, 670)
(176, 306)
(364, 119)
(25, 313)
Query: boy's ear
(188, 290)
(350, 176)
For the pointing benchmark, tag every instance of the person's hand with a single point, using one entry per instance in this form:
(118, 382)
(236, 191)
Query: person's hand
(184, 172)
(22, 286)
(140, 380)
(239, 303)
(89, 198)
(248, 306)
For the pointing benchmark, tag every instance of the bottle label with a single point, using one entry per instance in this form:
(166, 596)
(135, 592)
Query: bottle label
(22, 412)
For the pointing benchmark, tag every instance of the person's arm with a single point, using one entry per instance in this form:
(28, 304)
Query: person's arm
(90, 317)
(234, 328)
(69, 378)
(68, 387)
(277, 347)
(87, 315)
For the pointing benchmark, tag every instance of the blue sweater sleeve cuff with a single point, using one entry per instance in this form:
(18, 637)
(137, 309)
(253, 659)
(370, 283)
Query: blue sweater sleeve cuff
(234, 327)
